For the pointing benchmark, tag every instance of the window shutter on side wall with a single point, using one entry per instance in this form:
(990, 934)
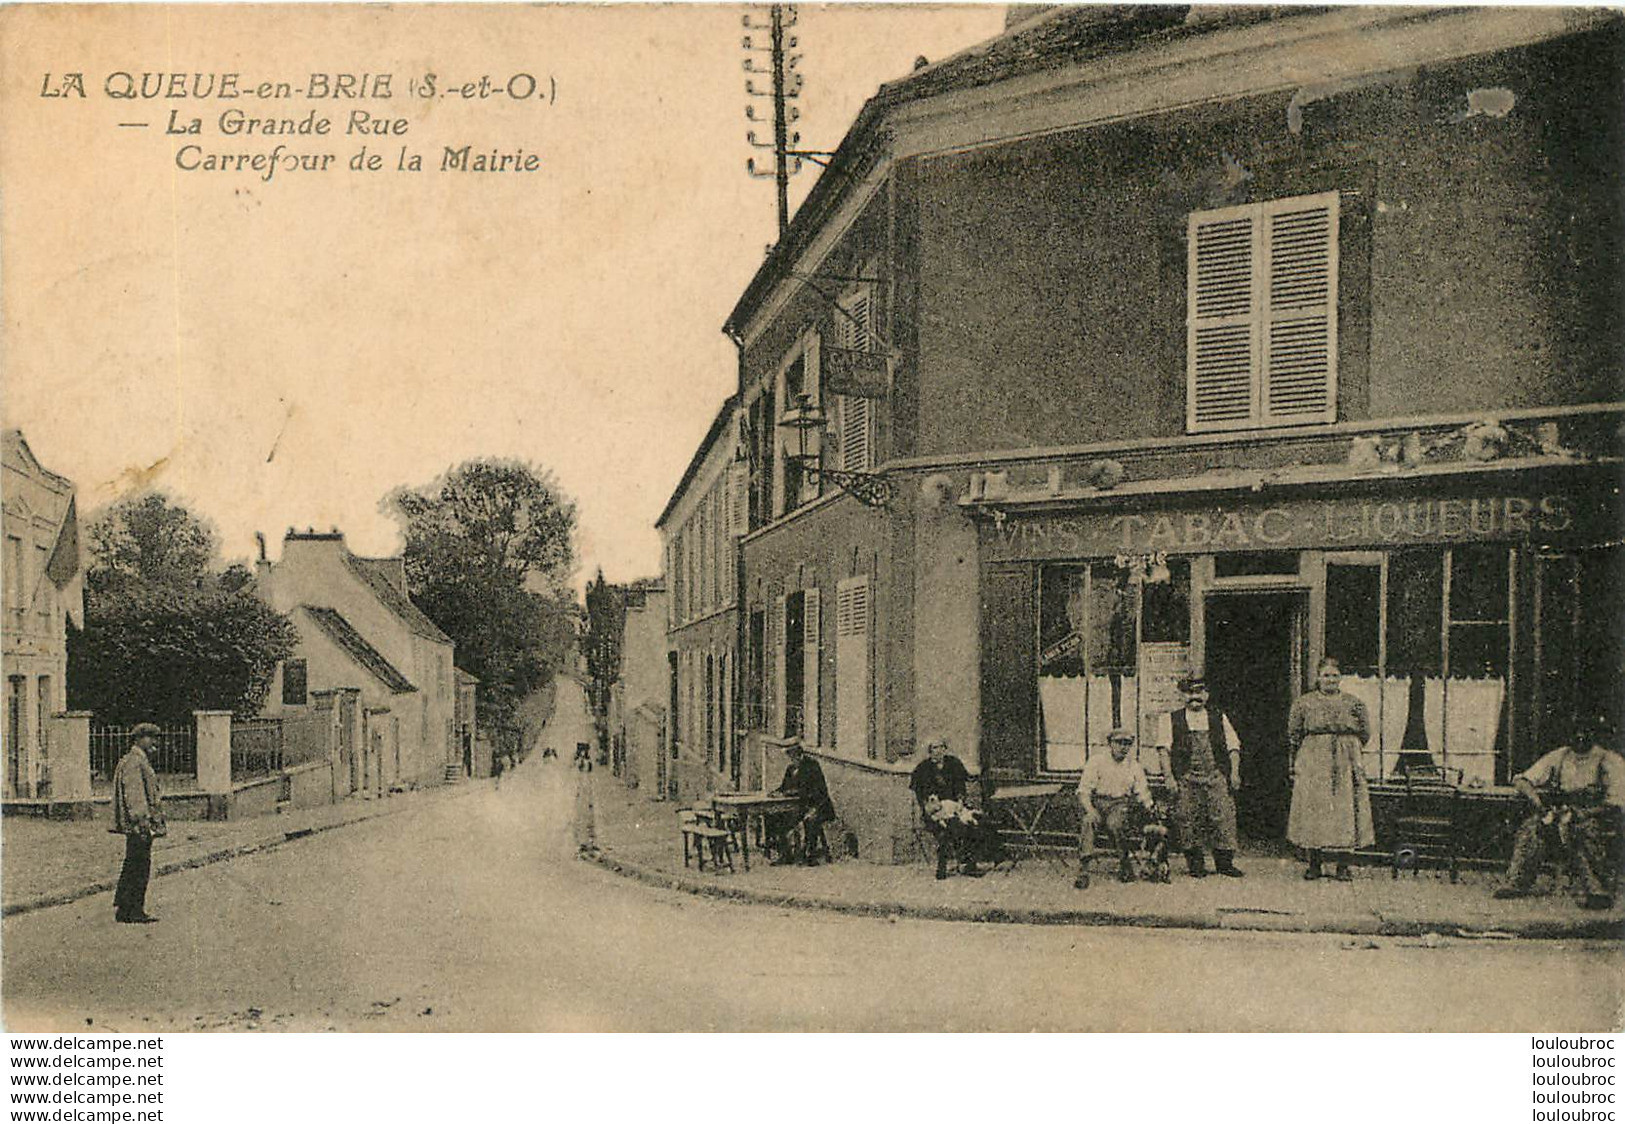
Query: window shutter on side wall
(852, 667)
(779, 626)
(855, 454)
(812, 639)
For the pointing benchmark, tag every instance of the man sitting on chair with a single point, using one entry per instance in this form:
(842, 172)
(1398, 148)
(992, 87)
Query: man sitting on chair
(1578, 792)
(803, 778)
(939, 783)
(1116, 799)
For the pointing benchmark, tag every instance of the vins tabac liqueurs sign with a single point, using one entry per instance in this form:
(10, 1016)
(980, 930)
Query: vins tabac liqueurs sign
(1331, 524)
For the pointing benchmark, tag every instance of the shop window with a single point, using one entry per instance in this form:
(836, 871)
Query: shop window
(1579, 638)
(1089, 636)
(1256, 564)
(1437, 685)
(1261, 318)
(1166, 609)
(1600, 682)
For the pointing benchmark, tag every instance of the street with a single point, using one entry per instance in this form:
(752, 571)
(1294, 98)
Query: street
(472, 913)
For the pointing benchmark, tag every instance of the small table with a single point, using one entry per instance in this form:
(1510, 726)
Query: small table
(1027, 805)
(753, 805)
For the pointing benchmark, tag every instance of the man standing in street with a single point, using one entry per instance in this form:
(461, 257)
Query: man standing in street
(1203, 765)
(138, 815)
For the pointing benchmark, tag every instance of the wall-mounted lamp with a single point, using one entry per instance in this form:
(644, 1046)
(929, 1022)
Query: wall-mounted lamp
(871, 489)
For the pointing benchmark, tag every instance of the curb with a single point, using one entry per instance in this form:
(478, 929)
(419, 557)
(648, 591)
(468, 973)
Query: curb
(1374, 926)
(209, 858)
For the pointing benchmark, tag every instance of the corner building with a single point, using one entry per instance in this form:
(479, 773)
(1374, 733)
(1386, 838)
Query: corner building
(1213, 340)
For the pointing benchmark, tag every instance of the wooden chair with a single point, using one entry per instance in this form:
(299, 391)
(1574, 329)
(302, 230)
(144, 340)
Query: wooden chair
(1427, 828)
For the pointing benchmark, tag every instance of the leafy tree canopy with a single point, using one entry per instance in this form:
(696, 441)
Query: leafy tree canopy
(166, 631)
(497, 514)
(146, 541)
(490, 548)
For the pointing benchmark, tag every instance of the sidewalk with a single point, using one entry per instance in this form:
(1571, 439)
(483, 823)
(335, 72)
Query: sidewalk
(638, 838)
(49, 862)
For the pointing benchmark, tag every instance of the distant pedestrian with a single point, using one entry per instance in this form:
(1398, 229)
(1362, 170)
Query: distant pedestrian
(497, 761)
(1331, 806)
(138, 815)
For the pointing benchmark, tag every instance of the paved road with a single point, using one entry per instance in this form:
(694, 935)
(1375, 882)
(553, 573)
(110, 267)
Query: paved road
(473, 914)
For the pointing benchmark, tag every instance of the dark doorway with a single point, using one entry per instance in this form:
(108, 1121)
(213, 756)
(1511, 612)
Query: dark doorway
(1254, 665)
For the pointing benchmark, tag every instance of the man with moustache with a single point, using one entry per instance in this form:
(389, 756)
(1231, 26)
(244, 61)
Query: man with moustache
(1202, 756)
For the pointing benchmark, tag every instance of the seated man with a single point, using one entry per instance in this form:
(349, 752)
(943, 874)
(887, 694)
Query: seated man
(939, 783)
(1578, 792)
(803, 778)
(1116, 798)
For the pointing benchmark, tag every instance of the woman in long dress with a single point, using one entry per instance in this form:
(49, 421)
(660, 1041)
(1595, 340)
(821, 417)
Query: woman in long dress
(1331, 806)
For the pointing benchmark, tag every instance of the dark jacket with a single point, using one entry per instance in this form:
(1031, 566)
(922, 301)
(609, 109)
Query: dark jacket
(805, 779)
(947, 781)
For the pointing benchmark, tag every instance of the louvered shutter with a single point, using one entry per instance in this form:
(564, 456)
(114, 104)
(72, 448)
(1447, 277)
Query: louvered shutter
(738, 498)
(1222, 344)
(812, 637)
(855, 455)
(781, 627)
(852, 667)
(1300, 359)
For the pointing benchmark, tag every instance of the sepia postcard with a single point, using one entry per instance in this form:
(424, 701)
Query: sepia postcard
(812, 517)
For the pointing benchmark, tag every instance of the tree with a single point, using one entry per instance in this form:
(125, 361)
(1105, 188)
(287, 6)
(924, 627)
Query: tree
(156, 655)
(606, 626)
(505, 515)
(490, 548)
(147, 542)
(165, 632)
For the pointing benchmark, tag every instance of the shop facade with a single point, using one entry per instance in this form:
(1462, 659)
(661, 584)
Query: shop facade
(1157, 341)
(1473, 607)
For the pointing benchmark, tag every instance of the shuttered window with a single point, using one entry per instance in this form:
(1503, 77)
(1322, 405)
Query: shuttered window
(855, 331)
(1261, 346)
(852, 687)
(812, 648)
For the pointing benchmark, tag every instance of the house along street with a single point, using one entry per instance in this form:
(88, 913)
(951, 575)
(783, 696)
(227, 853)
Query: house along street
(474, 914)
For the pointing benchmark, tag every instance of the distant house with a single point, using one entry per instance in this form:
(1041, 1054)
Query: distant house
(637, 698)
(359, 630)
(42, 589)
(699, 530)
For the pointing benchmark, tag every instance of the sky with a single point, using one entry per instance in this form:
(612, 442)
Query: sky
(283, 353)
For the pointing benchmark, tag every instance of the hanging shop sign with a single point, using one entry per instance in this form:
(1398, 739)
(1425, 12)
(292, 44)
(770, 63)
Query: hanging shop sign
(856, 374)
(1321, 524)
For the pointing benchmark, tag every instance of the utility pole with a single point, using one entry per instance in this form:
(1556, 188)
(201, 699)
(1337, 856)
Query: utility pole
(785, 87)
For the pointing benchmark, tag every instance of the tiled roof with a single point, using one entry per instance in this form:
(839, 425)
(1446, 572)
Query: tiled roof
(343, 633)
(378, 573)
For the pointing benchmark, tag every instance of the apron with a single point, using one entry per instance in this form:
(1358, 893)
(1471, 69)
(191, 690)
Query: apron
(1206, 815)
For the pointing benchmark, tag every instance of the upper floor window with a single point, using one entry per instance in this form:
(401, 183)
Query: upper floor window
(851, 421)
(797, 381)
(1261, 315)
